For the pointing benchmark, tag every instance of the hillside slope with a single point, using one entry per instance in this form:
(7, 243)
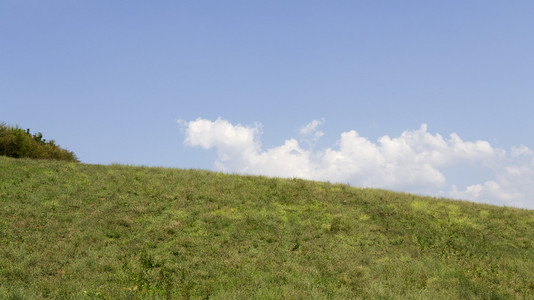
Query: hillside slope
(70, 230)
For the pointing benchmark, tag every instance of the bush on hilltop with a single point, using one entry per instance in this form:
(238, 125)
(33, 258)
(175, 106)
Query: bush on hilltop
(18, 143)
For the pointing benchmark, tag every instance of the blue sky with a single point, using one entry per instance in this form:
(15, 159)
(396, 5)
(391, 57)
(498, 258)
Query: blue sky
(110, 79)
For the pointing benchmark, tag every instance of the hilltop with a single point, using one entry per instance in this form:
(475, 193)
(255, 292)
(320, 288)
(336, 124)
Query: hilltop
(72, 230)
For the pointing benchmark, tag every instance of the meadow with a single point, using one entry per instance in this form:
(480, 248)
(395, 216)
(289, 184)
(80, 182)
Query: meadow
(77, 231)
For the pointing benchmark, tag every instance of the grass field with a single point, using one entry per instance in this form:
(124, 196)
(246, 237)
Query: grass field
(75, 231)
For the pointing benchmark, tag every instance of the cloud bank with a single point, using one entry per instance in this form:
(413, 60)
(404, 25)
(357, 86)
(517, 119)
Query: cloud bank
(412, 162)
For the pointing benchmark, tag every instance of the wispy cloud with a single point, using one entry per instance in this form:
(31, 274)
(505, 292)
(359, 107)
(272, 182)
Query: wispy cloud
(309, 134)
(411, 162)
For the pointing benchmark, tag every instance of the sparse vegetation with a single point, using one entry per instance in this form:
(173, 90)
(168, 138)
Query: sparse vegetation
(77, 231)
(18, 143)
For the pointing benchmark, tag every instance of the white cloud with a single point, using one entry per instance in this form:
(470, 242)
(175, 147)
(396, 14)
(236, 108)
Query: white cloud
(410, 162)
(311, 127)
(513, 183)
(309, 133)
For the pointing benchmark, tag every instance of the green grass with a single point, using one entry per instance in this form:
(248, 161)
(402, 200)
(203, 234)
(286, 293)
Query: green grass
(77, 231)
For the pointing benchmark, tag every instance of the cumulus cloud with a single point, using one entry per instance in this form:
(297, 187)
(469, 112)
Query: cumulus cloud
(411, 162)
(512, 185)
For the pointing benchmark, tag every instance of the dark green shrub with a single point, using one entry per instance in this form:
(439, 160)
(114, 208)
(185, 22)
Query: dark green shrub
(15, 142)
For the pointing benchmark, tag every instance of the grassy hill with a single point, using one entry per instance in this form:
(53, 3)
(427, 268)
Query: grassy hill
(70, 230)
